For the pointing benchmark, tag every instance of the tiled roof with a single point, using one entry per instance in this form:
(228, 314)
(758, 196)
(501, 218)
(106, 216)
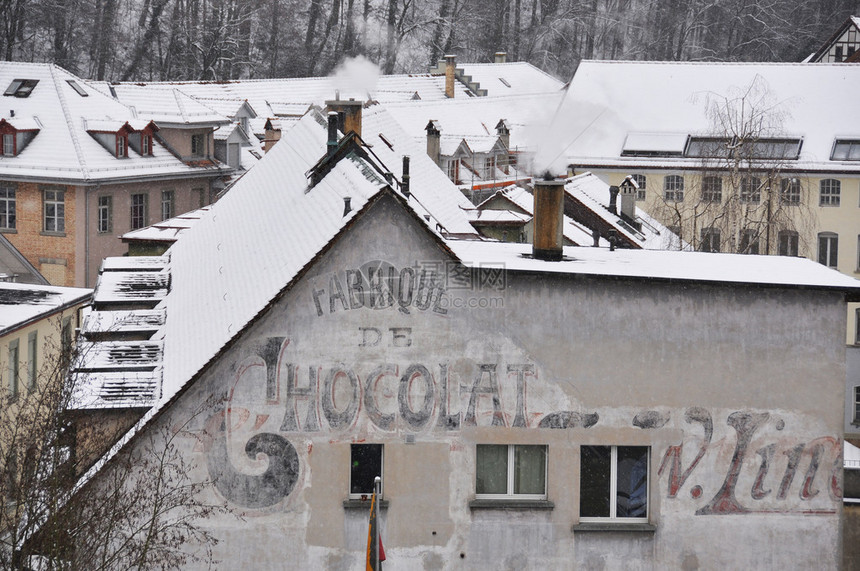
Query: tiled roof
(168, 230)
(63, 151)
(512, 78)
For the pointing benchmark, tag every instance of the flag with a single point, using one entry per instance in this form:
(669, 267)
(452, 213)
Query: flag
(375, 552)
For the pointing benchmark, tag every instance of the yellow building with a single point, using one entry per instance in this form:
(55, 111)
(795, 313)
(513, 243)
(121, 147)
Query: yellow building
(738, 157)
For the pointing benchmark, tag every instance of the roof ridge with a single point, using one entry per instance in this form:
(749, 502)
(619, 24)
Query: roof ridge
(69, 121)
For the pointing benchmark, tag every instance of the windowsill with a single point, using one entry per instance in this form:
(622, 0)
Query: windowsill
(613, 526)
(353, 503)
(57, 234)
(8, 230)
(480, 504)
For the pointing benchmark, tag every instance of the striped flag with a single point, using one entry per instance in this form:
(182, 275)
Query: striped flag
(375, 552)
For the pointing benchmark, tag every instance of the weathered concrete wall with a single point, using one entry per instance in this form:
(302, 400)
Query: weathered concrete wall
(737, 392)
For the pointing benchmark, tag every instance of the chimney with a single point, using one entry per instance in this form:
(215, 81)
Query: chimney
(351, 111)
(450, 68)
(548, 220)
(434, 141)
(273, 134)
(504, 133)
(331, 146)
(501, 57)
(347, 205)
(628, 198)
(613, 198)
(404, 185)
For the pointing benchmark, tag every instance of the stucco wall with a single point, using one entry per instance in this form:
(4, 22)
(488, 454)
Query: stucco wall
(737, 392)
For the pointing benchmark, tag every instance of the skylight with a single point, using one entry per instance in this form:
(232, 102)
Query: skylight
(21, 87)
(766, 149)
(78, 89)
(503, 80)
(846, 150)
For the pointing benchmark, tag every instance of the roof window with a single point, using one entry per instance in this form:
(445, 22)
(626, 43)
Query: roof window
(766, 149)
(846, 150)
(503, 80)
(386, 141)
(21, 87)
(78, 89)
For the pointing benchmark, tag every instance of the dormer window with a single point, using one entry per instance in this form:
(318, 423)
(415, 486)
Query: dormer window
(121, 146)
(8, 145)
(146, 144)
(21, 87)
(197, 145)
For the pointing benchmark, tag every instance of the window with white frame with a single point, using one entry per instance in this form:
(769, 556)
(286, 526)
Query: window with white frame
(490, 167)
(139, 207)
(712, 189)
(365, 464)
(789, 241)
(641, 183)
(789, 191)
(613, 483)
(673, 188)
(105, 214)
(856, 405)
(831, 190)
(750, 190)
(453, 170)
(54, 209)
(167, 201)
(197, 145)
(121, 146)
(7, 207)
(828, 249)
(510, 471)
(146, 145)
(14, 368)
(9, 144)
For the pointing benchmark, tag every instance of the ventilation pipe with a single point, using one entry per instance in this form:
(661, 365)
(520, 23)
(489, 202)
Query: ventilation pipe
(548, 219)
(404, 186)
(331, 146)
(500, 57)
(347, 205)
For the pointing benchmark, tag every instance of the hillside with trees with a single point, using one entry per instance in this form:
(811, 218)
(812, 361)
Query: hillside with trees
(148, 40)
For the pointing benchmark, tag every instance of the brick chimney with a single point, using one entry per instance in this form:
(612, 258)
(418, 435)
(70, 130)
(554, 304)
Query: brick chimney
(273, 134)
(351, 112)
(450, 69)
(548, 220)
(500, 57)
(434, 141)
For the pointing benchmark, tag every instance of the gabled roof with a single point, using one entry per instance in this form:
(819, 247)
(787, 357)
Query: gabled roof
(511, 78)
(593, 193)
(524, 115)
(168, 107)
(607, 101)
(63, 151)
(852, 22)
(14, 267)
(23, 304)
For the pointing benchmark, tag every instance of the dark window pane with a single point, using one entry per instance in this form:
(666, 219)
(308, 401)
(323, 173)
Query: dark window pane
(492, 469)
(529, 469)
(365, 465)
(595, 473)
(632, 498)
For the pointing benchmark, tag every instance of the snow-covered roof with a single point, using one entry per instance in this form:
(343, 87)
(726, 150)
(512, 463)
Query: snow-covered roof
(169, 106)
(21, 304)
(14, 267)
(594, 194)
(661, 265)
(522, 198)
(610, 105)
(851, 456)
(511, 78)
(525, 116)
(167, 230)
(63, 150)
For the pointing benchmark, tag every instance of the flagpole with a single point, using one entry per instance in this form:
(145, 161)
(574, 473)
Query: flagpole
(377, 486)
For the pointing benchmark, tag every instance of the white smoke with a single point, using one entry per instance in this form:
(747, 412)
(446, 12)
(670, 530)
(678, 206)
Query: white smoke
(356, 77)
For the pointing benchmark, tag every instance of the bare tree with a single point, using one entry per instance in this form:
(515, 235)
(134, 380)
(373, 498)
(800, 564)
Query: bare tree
(742, 199)
(141, 512)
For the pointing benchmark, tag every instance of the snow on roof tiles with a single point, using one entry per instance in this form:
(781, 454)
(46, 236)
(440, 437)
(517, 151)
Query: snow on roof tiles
(512, 78)
(609, 100)
(63, 151)
(22, 303)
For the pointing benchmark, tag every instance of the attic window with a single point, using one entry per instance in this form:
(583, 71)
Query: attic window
(386, 141)
(504, 81)
(766, 149)
(21, 87)
(846, 150)
(78, 89)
